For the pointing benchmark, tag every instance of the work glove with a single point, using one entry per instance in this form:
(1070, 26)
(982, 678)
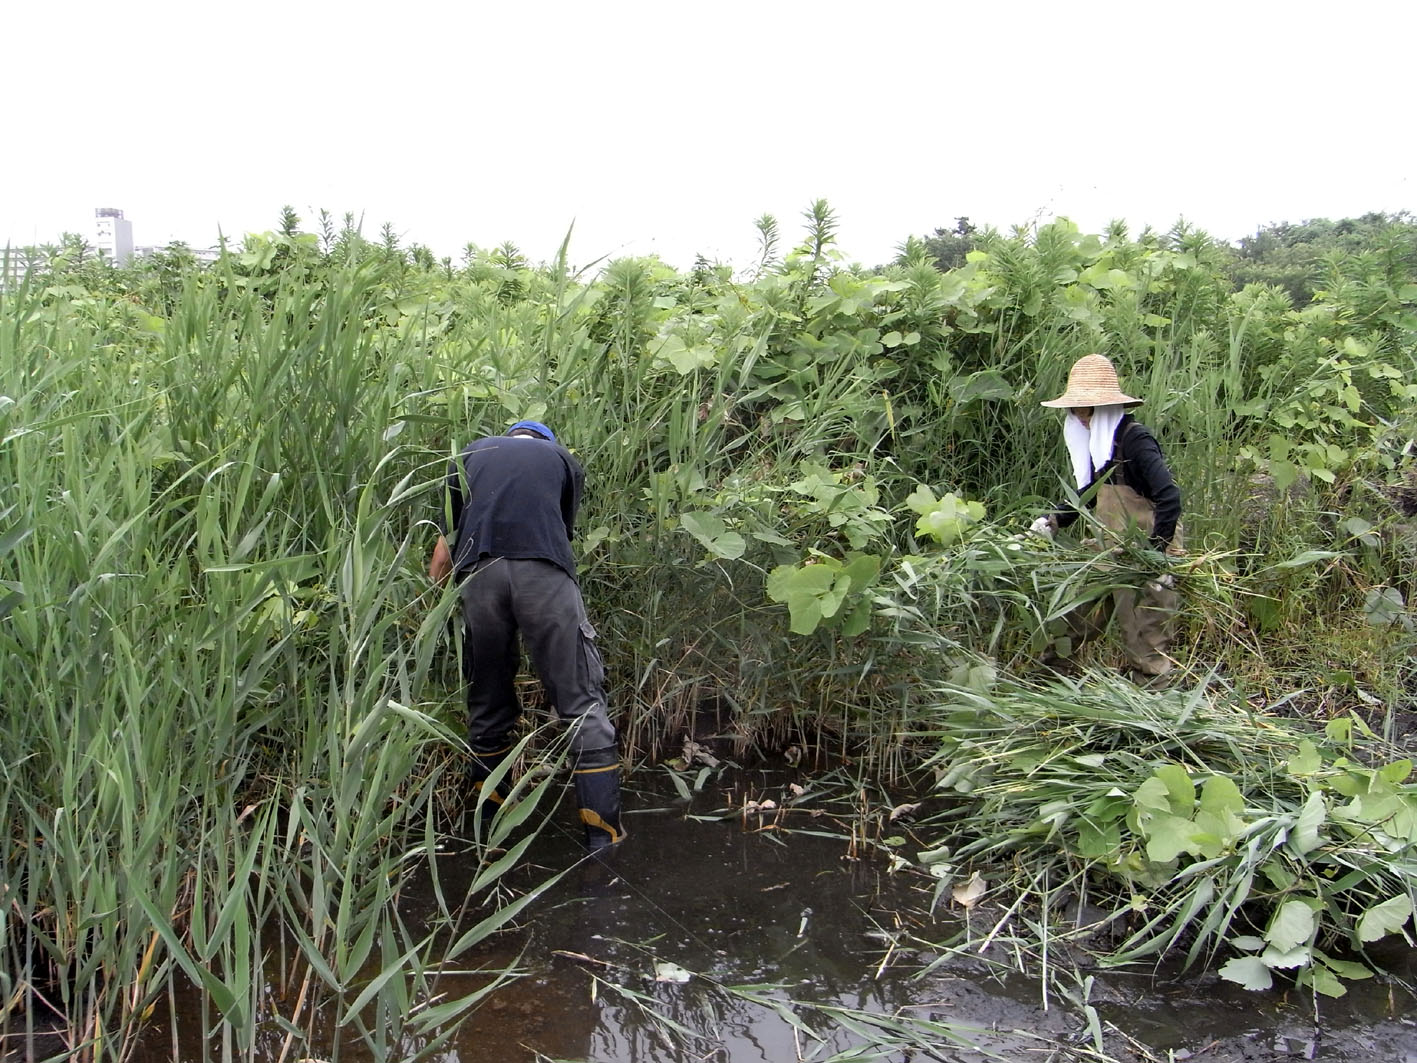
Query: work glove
(1042, 526)
(1163, 581)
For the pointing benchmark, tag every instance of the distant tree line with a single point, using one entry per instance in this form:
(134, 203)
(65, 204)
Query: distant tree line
(1296, 258)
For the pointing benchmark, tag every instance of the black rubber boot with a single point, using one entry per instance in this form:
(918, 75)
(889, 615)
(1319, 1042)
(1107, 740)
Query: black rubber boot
(479, 769)
(598, 795)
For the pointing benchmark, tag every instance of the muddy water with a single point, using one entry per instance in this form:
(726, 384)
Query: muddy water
(647, 960)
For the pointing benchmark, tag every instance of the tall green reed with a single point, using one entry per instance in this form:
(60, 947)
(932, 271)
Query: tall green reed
(218, 653)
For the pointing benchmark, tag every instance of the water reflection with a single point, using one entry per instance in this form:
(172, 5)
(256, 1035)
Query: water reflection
(705, 941)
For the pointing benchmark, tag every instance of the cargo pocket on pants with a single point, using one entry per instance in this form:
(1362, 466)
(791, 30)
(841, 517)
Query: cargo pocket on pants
(591, 661)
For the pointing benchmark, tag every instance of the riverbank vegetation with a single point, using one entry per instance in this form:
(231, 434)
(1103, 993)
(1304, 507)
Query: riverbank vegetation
(231, 706)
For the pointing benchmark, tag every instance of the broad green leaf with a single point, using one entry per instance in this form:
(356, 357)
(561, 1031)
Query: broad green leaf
(1247, 971)
(1279, 876)
(1385, 918)
(1344, 968)
(974, 675)
(1351, 783)
(832, 600)
(1304, 838)
(1221, 797)
(808, 591)
(709, 529)
(1306, 761)
(858, 620)
(1403, 824)
(1323, 981)
(1111, 805)
(685, 358)
(1098, 841)
(1339, 729)
(948, 519)
(922, 500)
(1384, 607)
(1153, 796)
(1360, 529)
(1371, 808)
(1167, 837)
(1180, 790)
(1288, 960)
(862, 570)
(1291, 926)
(1285, 473)
(1219, 793)
(1396, 772)
(1215, 832)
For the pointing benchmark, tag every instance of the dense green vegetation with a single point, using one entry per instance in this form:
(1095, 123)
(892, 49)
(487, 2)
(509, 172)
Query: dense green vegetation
(227, 702)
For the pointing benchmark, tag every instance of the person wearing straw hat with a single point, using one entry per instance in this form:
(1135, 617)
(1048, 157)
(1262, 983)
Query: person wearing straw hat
(512, 505)
(1119, 456)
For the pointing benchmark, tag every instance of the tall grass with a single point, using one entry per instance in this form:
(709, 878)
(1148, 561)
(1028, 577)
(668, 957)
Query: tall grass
(216, 659)
(229, 699)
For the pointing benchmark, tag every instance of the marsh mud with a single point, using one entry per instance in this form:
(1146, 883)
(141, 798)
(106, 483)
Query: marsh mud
(769, 936)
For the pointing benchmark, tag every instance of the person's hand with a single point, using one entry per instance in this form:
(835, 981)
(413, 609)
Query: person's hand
(440, 565)
(1042, 526)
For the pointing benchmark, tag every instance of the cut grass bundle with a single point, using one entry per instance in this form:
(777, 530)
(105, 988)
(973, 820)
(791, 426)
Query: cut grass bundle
(1203, 827)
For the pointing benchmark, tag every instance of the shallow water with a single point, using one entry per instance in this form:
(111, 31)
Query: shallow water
(645, 960)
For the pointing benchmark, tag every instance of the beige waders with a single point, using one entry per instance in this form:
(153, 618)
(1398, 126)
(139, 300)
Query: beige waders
(1145, 616)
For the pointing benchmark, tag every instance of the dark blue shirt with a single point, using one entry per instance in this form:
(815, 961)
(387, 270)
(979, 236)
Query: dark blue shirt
(514, 496)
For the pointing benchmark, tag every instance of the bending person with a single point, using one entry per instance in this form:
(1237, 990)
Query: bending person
(513, 505)
(1115, 452)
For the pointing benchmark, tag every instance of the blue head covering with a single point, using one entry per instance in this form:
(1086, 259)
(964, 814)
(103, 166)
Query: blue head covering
(534, 426)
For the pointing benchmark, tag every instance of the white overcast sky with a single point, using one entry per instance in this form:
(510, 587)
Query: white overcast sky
(670, 127)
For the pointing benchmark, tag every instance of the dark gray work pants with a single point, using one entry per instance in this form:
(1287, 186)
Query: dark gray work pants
(502, 597)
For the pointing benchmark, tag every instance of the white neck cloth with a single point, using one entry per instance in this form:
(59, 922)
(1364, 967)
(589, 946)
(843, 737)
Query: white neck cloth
(1090, 445)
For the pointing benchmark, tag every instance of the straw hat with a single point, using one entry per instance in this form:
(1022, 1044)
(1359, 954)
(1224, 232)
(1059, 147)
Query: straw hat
(1092, 382)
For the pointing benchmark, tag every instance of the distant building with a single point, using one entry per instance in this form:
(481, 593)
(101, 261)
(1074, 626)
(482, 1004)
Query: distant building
(114, 240)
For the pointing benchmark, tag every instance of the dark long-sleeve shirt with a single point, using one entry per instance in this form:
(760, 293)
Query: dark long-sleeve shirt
(512, 496)
(1137, 462)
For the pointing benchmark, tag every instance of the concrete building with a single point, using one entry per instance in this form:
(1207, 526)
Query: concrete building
(114, 239)
(112, 242)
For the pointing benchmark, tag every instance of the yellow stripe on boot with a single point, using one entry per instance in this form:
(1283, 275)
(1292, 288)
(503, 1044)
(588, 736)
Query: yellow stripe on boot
(592, 818)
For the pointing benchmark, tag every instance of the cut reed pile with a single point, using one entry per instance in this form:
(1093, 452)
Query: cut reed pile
(1200, 826)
